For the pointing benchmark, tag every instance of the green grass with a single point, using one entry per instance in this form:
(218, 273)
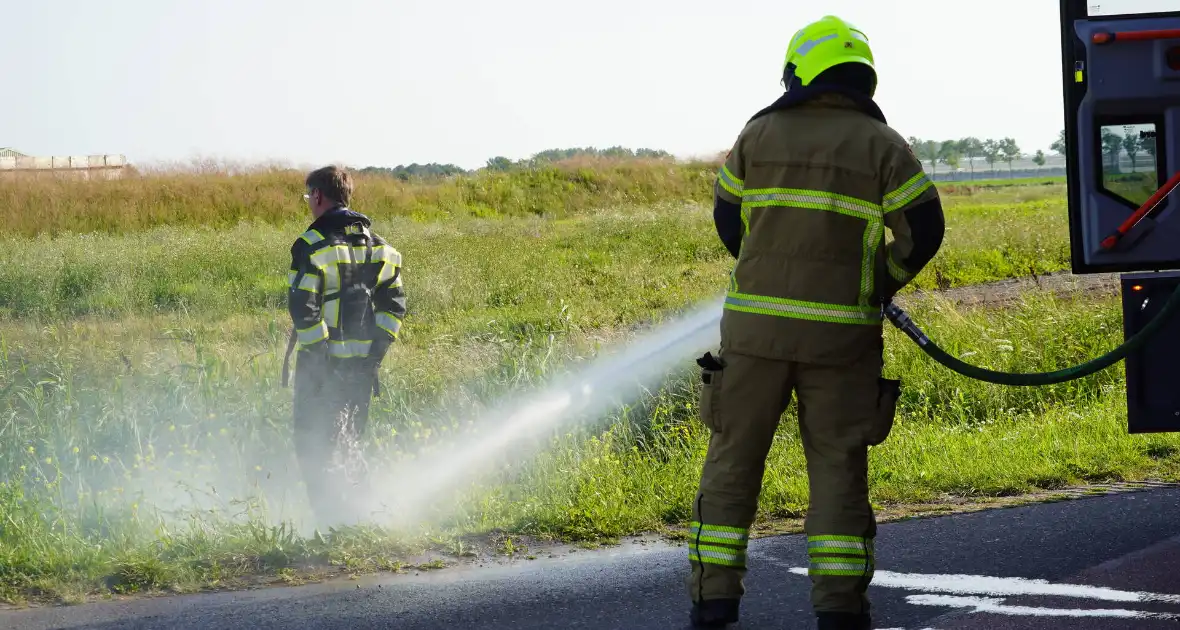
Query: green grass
(1002, 182)
(34, 206)
(611, 267)
(144, 438)
(1008, 233)
(94, 454)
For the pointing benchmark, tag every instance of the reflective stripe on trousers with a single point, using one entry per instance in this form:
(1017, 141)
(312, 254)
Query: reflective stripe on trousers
(717, 544)
(850, 556)
(340, 349)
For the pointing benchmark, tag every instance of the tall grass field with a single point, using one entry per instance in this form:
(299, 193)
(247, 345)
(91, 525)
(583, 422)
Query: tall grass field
(145, 438)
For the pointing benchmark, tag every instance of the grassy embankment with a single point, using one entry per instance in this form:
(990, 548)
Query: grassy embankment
(146, 356)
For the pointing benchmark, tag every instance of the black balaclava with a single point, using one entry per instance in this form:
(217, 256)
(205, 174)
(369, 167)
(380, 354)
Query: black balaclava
(857, 77)
(851, 79)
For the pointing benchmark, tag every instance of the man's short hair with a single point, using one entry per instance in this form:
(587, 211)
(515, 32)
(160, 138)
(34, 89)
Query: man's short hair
(335, 183)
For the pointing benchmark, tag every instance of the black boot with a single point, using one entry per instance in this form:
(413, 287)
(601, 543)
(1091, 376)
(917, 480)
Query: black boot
(843, 621)
(714, 613)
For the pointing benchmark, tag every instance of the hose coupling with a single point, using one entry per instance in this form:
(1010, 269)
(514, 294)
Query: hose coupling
(902, 321)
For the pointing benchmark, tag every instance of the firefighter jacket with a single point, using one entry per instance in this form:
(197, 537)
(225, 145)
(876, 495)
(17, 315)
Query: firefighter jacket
(345, 287)
(803, 201)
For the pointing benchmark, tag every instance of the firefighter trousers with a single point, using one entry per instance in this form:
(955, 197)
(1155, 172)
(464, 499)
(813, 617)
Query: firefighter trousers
(331, 411)
(842, 411)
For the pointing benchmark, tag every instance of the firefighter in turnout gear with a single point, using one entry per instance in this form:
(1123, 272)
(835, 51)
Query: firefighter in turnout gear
(347, 304)
(802, 203)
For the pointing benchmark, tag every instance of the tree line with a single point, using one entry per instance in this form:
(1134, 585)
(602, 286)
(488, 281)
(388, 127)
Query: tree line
(1006, 150)
(952, 152)
(949, 153)
(501, 163)
(1133, 144)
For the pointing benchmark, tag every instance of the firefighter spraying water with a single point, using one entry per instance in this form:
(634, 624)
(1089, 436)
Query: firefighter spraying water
(804, 203)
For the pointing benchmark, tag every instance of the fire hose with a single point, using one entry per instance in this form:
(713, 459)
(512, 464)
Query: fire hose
(902, 321)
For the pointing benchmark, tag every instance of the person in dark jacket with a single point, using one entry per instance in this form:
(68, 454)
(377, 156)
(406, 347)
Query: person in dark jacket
(346, 301)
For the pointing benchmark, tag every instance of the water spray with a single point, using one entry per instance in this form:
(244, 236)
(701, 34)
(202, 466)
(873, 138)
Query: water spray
(609, 380)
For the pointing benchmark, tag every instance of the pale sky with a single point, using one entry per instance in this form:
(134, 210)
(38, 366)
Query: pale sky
(387, 82)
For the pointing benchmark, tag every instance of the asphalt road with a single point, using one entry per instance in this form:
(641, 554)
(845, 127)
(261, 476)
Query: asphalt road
(1106, 562)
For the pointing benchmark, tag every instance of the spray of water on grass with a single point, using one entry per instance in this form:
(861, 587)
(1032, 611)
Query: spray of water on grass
(517, 426)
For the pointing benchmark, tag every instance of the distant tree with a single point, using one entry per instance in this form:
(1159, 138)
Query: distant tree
(991, 153)
(1039, 159)
(1149, 146)
(1112, 145)
(915, 144)
(948, 153)
(499, 163)
(1058, 145)
(425, 171)
(929, 151)
(1132, 144)
(616, 152)
(971, 147)
(1010, 152)
(652, 153)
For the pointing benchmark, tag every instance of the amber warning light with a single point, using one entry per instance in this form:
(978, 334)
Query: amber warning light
(1137, 287)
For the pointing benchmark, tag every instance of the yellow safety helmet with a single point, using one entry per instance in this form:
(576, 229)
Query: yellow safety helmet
(820, 45)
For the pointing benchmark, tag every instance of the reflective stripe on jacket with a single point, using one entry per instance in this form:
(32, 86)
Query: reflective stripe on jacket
(345, 287)
(819, 182)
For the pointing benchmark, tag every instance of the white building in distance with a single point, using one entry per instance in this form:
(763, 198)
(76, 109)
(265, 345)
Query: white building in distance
(14, 163)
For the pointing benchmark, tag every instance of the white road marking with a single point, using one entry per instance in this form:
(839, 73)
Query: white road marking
(965, 591)
(997, 607)
(987, 585)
